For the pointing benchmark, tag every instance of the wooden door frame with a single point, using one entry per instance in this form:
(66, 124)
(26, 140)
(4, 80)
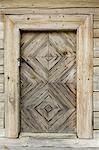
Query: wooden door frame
(84, 26)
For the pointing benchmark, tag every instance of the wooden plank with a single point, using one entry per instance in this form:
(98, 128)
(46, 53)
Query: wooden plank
(1, 83)
(96, 120)
(1, 69)
(84, 79)
(2, 133)
(96, 24)
(2, 110)
(95, 101)
(12, 38)
(49, 11)
(42, 148)
(1, 123)
(1, 26)
(1, 35)
(96, 33)
(2, 97)
(1, 44)
(47, 18)
(96, 79)
(96, 134)
(96, 62)
(1, 57)
(48, 4)
(50, 143)
(96, 47)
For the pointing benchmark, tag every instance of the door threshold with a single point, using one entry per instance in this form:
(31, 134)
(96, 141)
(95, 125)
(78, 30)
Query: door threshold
(49, 135)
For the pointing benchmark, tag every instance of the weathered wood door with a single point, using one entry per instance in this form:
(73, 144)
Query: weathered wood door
(48, 82)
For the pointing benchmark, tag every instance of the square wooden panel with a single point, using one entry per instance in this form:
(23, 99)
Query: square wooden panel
(48, 82)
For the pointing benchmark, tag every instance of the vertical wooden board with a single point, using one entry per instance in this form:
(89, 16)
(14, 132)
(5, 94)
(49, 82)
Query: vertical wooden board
(1, 34)
(1, 26)
(84, 79)
(96, 33)
(1, 57)
(2, 132)
(1, 123)
(1, 83)
(1, 44)
(1, 69)
(2, 110)
(2, 97)
(12, 37)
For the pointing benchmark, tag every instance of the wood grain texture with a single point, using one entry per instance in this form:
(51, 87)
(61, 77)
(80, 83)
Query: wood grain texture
(2, 97)
(95, 101)
(48, 82)
(96, 120)
(84, 79)
(96, 47)
(12, 37)
(93, 11)
(48, 4)
(2, 110)
(96, 79)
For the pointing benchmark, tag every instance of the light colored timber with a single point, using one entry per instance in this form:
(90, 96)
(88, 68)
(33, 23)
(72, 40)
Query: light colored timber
(84, 77)
(2, 133)
(1, 35)
(49, 135)
(1, 57)
(96, 47)
(84, 124)
(1, 83)
(1, 69)
(96, 33)
(96, 62)
(30, 142)
(96, 24)
(1, 26)
(2, 97)
(48, 4)
(1, 44)
(75, 11)
(96, 134)
(1, 110)
(96, 120)
(1, 123)
(47, 18)
(95, 101)
(96, 79)
(11, 79)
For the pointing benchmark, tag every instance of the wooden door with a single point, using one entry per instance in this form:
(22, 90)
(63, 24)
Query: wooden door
(48, 82)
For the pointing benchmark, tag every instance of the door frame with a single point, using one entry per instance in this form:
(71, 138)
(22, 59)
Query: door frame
(84, 26)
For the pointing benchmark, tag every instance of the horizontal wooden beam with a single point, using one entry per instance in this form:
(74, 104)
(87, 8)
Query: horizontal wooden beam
(48, 3)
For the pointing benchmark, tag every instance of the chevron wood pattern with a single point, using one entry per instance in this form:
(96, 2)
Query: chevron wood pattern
(48, 82)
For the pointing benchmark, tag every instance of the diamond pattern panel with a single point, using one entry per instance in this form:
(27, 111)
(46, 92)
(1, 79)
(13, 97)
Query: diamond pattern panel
(48, 82)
